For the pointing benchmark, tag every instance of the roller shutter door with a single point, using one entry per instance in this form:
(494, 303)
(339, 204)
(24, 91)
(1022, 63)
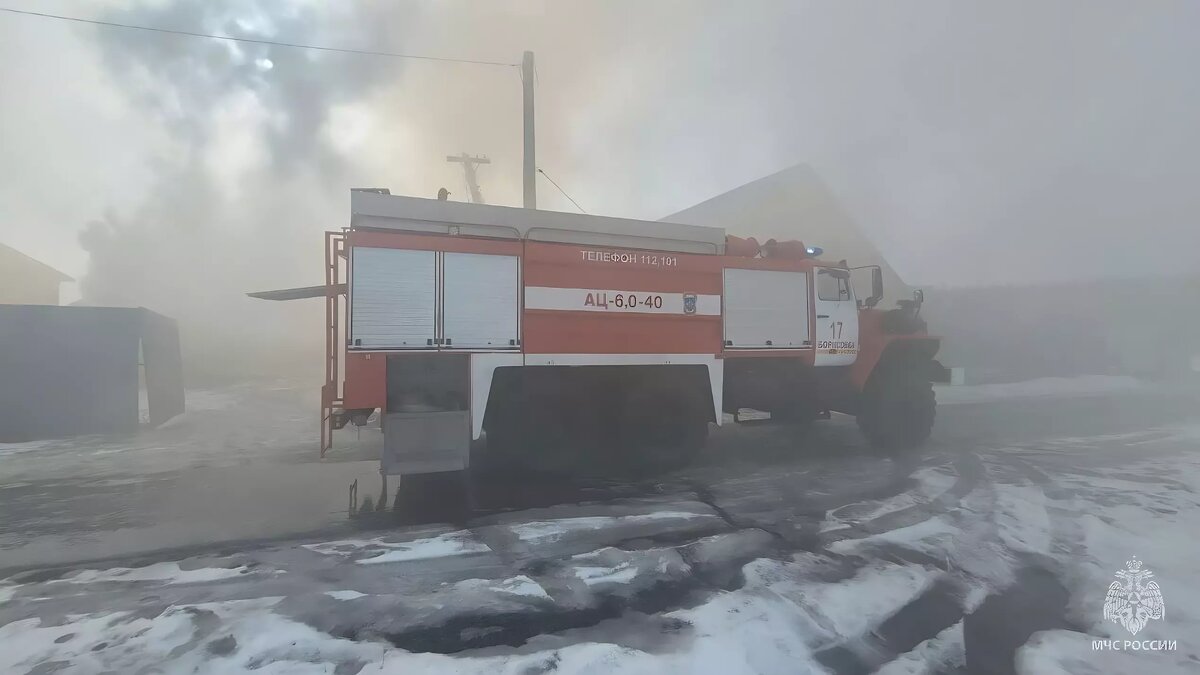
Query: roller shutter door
(393, 298)
(766, 309)
(480, 301)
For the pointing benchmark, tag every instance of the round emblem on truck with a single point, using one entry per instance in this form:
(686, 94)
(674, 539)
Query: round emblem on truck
(689, 303)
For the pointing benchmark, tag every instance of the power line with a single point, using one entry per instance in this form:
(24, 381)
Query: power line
(293, 45)
(564, 192)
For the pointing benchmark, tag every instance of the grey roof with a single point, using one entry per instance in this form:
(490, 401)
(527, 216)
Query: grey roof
(34, 261)
(794, 204)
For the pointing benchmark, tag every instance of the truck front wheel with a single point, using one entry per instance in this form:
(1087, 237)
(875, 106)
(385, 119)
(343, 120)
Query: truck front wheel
(897, 409)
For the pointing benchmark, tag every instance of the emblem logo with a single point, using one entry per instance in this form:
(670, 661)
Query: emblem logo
(689, 303)
(1134, 599)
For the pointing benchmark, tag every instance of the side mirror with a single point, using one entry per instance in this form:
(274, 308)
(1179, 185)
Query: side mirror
(876, 286)
(918, 300)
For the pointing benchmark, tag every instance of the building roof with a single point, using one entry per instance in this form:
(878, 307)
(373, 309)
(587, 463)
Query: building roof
(13, 254)
(794, 204)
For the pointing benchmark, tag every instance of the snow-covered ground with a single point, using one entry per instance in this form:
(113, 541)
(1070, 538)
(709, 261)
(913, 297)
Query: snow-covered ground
(1082, 509)
(241, 463)
(668, 586)
(752, 562)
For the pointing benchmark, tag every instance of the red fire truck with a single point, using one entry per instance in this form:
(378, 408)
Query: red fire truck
(556, 336)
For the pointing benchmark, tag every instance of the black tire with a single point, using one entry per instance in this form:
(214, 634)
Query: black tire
(897, 410)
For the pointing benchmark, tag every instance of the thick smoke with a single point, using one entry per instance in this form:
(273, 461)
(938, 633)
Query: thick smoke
(965, 139)
(187, 81)
(253, 180)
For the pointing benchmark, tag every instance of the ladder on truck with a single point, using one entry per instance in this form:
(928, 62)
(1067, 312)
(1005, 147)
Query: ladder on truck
(331, 397)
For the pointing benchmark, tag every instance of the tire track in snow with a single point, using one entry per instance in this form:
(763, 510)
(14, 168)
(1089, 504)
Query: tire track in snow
(968, 471)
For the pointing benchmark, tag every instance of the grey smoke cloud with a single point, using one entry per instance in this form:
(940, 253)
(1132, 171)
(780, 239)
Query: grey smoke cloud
(184, 80)
(979, 144)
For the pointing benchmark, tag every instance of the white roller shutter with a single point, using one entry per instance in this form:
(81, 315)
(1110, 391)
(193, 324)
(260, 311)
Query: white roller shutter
(393, 298)
(480, 301)
(766, 309)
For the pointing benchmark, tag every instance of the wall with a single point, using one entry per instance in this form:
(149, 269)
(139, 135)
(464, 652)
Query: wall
(74, 370)
(1145, 327)
(25, 281)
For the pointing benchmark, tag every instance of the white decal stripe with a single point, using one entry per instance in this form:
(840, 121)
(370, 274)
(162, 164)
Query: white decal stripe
(619, 302)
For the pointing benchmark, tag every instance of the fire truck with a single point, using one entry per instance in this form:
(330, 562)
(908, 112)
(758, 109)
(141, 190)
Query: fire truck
(549, 338)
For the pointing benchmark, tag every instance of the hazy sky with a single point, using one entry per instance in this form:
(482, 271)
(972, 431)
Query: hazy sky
(977, 143)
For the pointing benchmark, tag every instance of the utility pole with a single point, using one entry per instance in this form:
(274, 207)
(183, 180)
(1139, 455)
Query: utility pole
(469, 164)
(529, 173)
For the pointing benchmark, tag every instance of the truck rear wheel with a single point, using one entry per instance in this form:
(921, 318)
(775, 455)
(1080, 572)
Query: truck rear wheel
(897, 410)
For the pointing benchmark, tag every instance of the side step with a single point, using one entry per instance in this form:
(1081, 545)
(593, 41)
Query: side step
(752, 416)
